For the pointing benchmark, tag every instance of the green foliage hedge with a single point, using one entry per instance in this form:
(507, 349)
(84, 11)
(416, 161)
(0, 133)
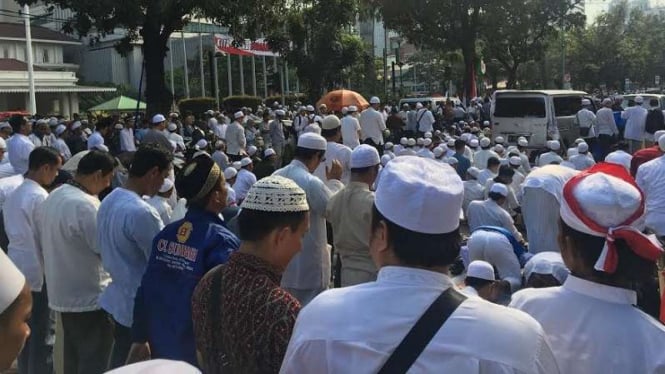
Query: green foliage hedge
(233, 103)
(196, 105)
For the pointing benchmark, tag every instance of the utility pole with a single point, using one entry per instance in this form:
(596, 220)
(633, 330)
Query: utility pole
(32, 102)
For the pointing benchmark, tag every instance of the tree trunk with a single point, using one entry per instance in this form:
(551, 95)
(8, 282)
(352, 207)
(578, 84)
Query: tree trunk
(158, 98)
(512, 77)
(469, 54)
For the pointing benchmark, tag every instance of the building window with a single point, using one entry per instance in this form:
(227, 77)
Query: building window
(45, 57)
(5, 52)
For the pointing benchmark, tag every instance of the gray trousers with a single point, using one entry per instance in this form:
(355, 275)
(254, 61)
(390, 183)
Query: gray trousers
(635, 145)
(88, 340)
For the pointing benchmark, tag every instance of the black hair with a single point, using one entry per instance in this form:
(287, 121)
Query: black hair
(632, 270)
(495, 196)
(255, 225)
(41, 156)
(330, 133)
(622, 145)
(147, 157)
(506, 171)
(96, 160)
(104, 123)
(654, 102)
(365, 170)
(307, 154)
(419, 249)
(477, 283)
(63, 177)
(16, 121)
(193, 176)
(493, 161)
(459, 144)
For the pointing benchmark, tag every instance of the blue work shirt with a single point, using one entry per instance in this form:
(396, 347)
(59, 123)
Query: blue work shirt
(182, 254)
(463, 164)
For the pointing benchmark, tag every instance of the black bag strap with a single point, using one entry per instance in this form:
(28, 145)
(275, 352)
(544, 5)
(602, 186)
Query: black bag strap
(414, 343)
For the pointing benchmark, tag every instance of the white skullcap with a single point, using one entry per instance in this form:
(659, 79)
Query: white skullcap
(499, 149)
(276, 194)
(579, 140)
(438, 152)
(607, 101)
(453, 161)
(423, 187)
(500, 188)
(661, 143)
(554, 145)
(586, 102)
(330, 123)
(572, 152)
(11, 282)
(385, 159)
(485, 142)
(481, 270)
(280, 113)
(230, 173)
(486, 123)
(166, 186)
(515, 161)
(499, 140)
(388, 146)
(547, 263)
(523, 142)
(582, 147)
(159, 366)
(353, 108)
(345, 110)
(411, 142)
(5, 125)
(310, 108)
(76, 125)
(251, 150)
(374, 100)
(172, 127)
(269, 152)
(658, 134)
(428, 135)
(210, 112)
(87, 131)
(237, 165)
(420, 141)
(419, 106)
(53, 121)
(60, 129)
(119, 126)
(245, 162)
(364, 156)
(639, 99)
(451, 142)
(473, 171)
(158, 118)
(403, 141)
(473, 143)
(201, 144)
(427, 142)
(238, 114)
(311, 140)
(620, 158)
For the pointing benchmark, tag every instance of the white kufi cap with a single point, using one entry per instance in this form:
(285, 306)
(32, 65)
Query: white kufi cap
(582, 147)
(166, 186)
(481, 270)
(11, 282)
(330, 123)
(374, 100)
(515, 161)
(158, 118)
(547, 263)
(364, 156)
(246, 161)
(312, 140)
(276, 194)
(230, 173)
(500, 188)
(485, 142)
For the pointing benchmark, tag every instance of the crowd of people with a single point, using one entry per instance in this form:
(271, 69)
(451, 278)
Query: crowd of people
(371, 240)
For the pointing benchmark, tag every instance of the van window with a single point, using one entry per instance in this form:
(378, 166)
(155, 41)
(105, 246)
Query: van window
(566, 106)
(519, 107)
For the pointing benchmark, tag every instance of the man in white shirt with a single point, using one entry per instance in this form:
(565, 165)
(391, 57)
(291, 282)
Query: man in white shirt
(424, 119)
(592, 322)
(351, 128)
(473, 190)
(636, 117)
(60, 143)
(651, 179)
(177, 139)
(480, 281)
(551, 157)
(308, 273)
(42, 135)
(360, 327)
(19, 146)
(606, 127)
(620, 156)
(235, 138)
(331, 131)
(160, 201)
(491, 213)
(583, 159)
(245, 179)
(102, 129)
(127, 141)
(493, 165)
(496, 249)
(586, 121)
(20, 211)
(73, 266)
(301, 121)
(126, 226)
(480, 158)
(372, 125)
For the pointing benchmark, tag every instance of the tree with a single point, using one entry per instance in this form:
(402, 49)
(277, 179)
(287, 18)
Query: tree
(518, 30)
(446, 25)
(154, 21)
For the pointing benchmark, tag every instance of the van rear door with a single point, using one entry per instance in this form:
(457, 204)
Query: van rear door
(515, 115)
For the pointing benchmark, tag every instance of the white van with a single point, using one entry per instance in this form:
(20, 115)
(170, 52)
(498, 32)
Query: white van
(537, 115)
(627, 99)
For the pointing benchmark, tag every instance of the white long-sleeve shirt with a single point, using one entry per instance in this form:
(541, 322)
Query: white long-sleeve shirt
(341, 153)
(549, 158)
(72, 264)
(425, 120)
(651, 179)
(489, 213)
(595, 329)
(244, 181)
(20, 213)
(19, 147)
(355, 329)
(161, 205)
(636, 118)
(586, 119)
(350, 129)
(127, 143)
(372, 125)
(582, 162)
(480, 158)
(605, 122)
(496, 249)
(235, 139)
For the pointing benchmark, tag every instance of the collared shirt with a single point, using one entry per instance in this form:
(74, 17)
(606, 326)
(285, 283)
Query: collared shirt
(372, 125)
(63, 148)
(351, 231)
(582, 162)
(549, 158)
(350, 129)
(72, 263)
(642, 157)
(425, 120)
(594, 328)
(636, 117)
(46, 141)
(162, 207)
(605, 123)
(310, 268)
(244, 181)
(651, 179)
(181, 255)
(256, 317)
(127, 143)
(19, 147)
(20, 214)
(7, 186)
(480, 158)
(217, 128)
(126, 226)
(339, 152)
(359, 327)
(586, 119)
(277, 133)
(489, 213)
(235, 139)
